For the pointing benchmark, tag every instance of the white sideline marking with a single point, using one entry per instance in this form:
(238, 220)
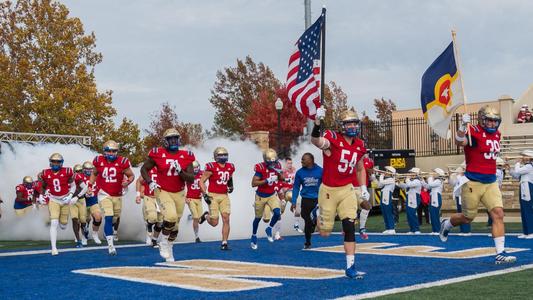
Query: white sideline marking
(47, 251)
(436, 283)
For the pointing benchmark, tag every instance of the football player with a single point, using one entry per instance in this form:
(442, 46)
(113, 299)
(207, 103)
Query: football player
(109, 172)
(480, 157)
(342, 153)
(174, 168)
(26, 196)
(220, 176)
(151, 212)
(91, 203)
(266, 177)
(78, 210)
(194, 199)
(59, 181)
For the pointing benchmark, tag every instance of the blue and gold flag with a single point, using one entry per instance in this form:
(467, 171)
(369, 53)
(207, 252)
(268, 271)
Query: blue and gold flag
(441, 92)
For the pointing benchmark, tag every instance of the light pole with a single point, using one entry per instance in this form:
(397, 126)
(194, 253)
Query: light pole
(279, 107)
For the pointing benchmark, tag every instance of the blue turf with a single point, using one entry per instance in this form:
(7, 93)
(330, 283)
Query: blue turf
(43, 276)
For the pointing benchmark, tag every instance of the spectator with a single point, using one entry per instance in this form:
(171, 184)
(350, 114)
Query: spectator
(524, 115)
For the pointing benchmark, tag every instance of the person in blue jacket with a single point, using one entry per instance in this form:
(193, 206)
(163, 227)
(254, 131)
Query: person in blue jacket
(307, 180)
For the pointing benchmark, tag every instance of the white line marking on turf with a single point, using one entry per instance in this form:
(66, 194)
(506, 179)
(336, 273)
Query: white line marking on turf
(47, 251)
(436, 283)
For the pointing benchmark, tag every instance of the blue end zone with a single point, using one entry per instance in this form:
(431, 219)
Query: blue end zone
(44, 276)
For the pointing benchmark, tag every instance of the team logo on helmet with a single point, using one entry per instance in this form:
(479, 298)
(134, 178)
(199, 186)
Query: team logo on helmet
(488, 113)
(172, 139)
(349, 123)
(221, 155)
(56, 161)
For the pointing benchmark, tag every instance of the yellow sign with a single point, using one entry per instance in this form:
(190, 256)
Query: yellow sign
(213, 275)
(398, 163)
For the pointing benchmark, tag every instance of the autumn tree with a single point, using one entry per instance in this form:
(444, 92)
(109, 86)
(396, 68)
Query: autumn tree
(263, 116)
(384, 109)
(335, 101)
(234, 91)
(190, 133)
(47, 66)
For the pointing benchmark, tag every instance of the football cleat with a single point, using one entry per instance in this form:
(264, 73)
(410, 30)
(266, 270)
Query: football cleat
(112, 251)
(224, 247)
(148, 239)
(170, 252)
(504, 258)
(78, 244)
(164, 249)
(197, 240)
(443, 234)
(253, 242)
(85, 232)
(268, 232)
(83, 241)
(154, 244)
(362, 233)
(297, 227)
(96, 239)
(54, 251)
(307, 246)
(353, 273)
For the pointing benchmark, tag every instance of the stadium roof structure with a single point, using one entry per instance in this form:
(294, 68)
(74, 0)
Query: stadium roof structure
(38, 138)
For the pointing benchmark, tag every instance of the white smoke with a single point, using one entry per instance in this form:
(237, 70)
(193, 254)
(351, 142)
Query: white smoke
(18, 160)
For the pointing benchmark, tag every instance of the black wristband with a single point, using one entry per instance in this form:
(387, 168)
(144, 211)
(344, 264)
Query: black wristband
(316, 131)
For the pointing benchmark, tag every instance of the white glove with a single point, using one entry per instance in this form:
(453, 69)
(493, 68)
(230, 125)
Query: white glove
(320, 113)
(176, 165)
(41, 200)
(153, 185)
(364, 193)
(466, 119)
(272, 179)
(73, 200)
(66, 200)
(283, 203)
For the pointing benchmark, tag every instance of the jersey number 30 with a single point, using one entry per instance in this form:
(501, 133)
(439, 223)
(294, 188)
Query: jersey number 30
(494, 149)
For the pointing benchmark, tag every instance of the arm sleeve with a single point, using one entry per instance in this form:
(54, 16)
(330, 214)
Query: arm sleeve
(522, 170)
(296, 188)
(414, 183)
(84, 188)
(433, 183)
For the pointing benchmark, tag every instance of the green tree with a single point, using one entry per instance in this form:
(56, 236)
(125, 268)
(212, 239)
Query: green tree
(47, 66)
(234, 91)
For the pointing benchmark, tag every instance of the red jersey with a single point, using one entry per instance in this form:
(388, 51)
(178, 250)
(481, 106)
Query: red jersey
(220, 175)
(264, 172)
(25, 193)
(481, 156)
(57, 183)
(111, 174)
(288, 175)
(167, 177)
(79, 178)
(153, 176)
(193, 188)
(340, 166)
(37, 186)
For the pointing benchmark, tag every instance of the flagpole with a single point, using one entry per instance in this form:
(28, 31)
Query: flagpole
(458, 65)
(323, 56)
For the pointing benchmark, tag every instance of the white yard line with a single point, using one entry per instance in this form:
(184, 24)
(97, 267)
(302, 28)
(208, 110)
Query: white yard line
(436, 283)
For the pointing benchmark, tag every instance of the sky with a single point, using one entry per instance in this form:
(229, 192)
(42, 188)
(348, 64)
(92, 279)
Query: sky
(169, 51)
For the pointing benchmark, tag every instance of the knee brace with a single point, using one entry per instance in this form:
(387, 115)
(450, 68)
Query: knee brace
(173, 236)
(348, 227)
(168, 225)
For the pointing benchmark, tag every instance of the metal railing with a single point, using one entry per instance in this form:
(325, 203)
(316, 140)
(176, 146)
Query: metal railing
(411, 133)
(37, 138)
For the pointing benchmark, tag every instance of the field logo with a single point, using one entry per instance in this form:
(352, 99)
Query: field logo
(418, 251)
(213, 275)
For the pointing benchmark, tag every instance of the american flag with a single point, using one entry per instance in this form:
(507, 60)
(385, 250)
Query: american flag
(303, 79)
